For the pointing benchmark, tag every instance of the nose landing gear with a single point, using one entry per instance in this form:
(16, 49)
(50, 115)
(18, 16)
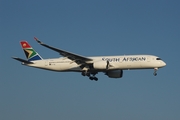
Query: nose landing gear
(155, 71)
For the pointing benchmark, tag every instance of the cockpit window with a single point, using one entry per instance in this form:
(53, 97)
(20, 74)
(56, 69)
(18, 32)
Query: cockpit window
(158, 59)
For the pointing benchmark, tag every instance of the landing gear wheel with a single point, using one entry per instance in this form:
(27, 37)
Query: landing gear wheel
(83, 74)
(155, 74)
(155, 71)
(95, 78)
(88, 74)
(91, 78)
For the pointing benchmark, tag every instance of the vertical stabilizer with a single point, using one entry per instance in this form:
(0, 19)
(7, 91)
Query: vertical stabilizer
(30, 53)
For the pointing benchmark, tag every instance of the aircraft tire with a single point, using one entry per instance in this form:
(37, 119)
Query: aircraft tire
(95, 78)
(155, 74)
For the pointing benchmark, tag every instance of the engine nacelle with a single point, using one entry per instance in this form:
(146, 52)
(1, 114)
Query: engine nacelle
(115, 73)
(101, 65)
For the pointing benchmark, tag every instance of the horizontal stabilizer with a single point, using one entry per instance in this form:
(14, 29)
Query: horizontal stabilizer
(22, 60)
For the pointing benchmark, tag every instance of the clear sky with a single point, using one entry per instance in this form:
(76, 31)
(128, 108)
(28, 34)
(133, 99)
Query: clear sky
(88, 28)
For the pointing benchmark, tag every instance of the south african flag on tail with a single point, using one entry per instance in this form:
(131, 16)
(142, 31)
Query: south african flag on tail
(30, 53)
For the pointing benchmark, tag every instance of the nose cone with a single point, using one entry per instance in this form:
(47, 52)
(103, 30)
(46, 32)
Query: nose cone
(163, 64)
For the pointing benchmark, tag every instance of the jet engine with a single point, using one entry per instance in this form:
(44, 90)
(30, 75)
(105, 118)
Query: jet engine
(101, 65)
(115, 73)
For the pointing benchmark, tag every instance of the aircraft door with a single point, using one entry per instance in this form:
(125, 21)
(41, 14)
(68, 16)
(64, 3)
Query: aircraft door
(46, 63)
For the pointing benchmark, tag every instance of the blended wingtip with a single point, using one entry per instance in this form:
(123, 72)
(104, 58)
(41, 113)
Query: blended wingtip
(13, 57)
(37, 40)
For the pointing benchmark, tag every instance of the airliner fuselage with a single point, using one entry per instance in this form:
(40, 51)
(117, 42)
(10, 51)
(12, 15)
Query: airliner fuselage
(112, 66)
(115, 62)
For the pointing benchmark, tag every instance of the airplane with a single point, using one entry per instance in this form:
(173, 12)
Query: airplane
(112, 66)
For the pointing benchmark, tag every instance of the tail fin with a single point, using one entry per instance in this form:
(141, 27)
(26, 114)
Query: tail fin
(30, 53)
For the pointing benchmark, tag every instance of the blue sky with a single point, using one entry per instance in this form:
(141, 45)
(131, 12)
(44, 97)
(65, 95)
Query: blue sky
(96, 27)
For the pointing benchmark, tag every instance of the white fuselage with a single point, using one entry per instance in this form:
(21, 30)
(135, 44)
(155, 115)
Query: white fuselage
(115, 62)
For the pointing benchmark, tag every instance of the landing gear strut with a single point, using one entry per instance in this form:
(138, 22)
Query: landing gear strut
(155, 71)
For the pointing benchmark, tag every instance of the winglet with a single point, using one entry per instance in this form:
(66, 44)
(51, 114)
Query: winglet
(37, 40)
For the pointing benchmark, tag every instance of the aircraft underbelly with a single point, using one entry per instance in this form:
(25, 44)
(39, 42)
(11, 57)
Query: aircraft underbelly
(134, 65)
(56, 66)
(63, 66)
(128, 65)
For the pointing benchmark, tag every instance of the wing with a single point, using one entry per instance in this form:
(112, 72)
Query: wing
(74, 57)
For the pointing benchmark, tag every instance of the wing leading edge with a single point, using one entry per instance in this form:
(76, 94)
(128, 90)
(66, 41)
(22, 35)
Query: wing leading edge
(74, 57)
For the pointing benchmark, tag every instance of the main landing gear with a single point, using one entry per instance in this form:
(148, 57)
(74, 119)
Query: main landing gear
(155, 71)
(90, 75)
(93, 78)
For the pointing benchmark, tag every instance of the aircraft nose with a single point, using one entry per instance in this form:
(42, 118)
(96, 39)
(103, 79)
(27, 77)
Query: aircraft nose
(163, 63)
